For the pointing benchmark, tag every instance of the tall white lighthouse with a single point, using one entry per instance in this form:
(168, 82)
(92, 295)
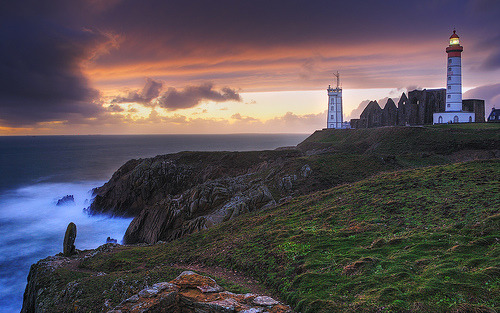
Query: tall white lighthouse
(454, 75)
(453, 108)
(334, 115)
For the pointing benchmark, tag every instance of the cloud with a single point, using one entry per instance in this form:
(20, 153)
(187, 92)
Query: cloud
(115, 108)
(489, 93)
(41, 66)
(191, 96)
(238, 117)
(356, 113)
(151, 90)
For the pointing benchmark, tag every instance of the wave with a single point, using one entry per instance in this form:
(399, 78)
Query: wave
(32, 227)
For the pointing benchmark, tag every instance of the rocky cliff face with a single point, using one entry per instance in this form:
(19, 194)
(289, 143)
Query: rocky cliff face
(144, 182)
(178, 194)
(198, 208)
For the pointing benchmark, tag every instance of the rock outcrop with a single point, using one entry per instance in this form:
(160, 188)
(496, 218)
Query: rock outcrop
(59, 284)
(69, 240)
(198, 208)
(144, 182)
(192, 293)
(68, 199)
(173, 195)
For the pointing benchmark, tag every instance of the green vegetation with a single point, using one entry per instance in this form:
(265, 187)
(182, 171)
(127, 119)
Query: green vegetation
(406, 229)
(442, 139)
(421, 240)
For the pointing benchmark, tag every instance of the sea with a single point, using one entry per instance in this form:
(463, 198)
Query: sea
(37, 171)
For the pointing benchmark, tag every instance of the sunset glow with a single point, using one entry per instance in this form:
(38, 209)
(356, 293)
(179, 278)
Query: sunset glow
(210, 72)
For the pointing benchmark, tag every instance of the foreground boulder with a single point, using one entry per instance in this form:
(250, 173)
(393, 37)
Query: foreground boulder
(192, 293)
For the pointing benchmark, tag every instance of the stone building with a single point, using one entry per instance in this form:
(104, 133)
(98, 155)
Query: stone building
(415, 109)
(476, 106)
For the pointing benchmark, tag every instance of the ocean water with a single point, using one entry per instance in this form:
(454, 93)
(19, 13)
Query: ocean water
(37, 171)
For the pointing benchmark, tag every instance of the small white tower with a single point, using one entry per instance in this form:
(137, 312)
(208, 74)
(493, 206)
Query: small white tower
(334, 114)
(453, 108)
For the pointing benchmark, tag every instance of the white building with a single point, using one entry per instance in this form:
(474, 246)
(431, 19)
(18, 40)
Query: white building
(334, 115)
(453, 109)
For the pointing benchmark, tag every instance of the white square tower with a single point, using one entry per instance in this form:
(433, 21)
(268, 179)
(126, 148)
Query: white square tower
(334, 114)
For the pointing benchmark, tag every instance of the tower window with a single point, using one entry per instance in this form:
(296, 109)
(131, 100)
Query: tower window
(449, 77)
(449, 60)
(449, 69)
(331, 116)
(449, 96)
(449, 87)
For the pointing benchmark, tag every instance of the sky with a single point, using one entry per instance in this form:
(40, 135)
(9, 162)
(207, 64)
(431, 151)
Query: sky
(228, 66)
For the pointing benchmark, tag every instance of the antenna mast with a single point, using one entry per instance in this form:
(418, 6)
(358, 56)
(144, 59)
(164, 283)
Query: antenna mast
(337, 75)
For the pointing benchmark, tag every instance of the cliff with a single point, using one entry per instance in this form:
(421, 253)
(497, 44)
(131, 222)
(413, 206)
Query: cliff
(419, 240)
(170, 196)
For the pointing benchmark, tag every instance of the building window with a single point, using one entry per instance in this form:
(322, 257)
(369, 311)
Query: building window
(449, 87)
(331, 116)
(470, 119)
(449, 96)
(449, 69)
(331, 108)
(448, 105)
(440, 120)
(455, 119)
(449, 77)
(449, 61)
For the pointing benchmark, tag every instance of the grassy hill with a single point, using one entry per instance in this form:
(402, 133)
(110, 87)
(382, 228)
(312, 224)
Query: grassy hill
(422, 240)
(407, 227)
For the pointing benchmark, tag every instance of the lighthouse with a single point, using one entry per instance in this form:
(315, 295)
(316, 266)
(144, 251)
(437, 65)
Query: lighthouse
(454, 75)
(453, 112)
(334, 114)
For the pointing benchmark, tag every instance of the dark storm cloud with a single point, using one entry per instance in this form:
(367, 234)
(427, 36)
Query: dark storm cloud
(191, 96)
(492, 46)
(184, 27)
(150, 91)
(41, 77)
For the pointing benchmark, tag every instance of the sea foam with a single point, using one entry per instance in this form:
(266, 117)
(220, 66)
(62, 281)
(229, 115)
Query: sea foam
(32, 227)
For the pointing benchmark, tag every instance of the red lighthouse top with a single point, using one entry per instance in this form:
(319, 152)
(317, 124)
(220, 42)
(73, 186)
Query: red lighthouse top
(454, 49)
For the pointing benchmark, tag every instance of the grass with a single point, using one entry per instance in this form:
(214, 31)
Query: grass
(422, 240)
(442, 139)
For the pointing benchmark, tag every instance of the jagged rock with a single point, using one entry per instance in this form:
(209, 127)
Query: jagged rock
(111, 240)
(68, 199)
(69, 240)
(144, 182)
(198, 208)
